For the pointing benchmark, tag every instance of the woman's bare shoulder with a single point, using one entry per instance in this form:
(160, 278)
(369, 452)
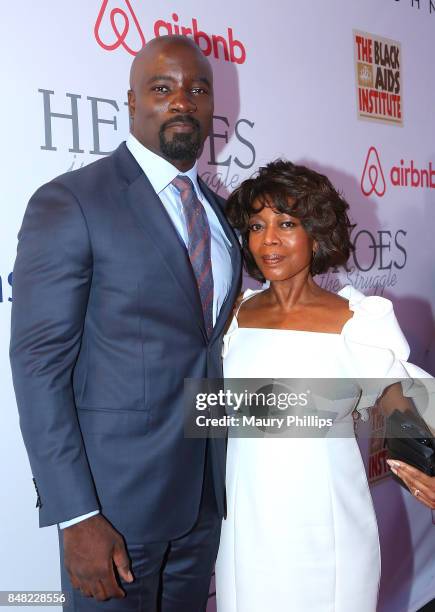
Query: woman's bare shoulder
(334, 311)
(333, 301)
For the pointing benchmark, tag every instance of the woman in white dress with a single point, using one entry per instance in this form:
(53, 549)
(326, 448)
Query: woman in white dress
(301, 533)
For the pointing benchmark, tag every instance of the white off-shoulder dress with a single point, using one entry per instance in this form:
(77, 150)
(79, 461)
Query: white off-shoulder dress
(301, 532)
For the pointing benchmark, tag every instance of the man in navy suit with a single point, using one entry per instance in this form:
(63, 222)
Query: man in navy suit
(125, 275)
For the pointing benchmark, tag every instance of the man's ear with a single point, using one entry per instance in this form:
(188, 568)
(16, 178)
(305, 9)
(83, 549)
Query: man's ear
(131, 102)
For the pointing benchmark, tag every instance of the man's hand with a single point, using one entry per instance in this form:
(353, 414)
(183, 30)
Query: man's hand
(91, 549)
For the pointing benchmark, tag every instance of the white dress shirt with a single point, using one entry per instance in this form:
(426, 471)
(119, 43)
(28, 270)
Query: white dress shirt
(161, 173)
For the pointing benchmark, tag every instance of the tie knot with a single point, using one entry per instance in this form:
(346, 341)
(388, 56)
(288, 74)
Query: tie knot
(183, 184)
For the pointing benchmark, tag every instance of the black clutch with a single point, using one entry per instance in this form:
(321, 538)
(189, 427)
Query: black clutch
(409, 439)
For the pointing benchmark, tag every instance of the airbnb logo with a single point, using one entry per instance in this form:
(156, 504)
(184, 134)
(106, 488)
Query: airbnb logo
(126, 16)
(373, 179)
(119, 27)
(401, 175)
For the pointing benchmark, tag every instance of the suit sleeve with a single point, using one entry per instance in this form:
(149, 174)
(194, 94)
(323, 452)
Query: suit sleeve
(51, 283)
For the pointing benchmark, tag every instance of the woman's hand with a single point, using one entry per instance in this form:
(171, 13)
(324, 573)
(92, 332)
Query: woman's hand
(419, 484)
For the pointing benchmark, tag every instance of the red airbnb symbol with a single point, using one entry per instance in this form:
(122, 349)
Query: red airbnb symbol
(127, 16)
(373, 179)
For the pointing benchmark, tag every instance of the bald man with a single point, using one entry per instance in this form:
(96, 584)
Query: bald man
(125, 274)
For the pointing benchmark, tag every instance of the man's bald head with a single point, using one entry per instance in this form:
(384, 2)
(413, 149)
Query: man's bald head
(171, 99)
(167, 45)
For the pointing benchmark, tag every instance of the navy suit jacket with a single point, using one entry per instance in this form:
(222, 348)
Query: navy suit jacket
(106, 325)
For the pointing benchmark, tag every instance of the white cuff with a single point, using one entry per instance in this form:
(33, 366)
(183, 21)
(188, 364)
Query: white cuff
(78, 519)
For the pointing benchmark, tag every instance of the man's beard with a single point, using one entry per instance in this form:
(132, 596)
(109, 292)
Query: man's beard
(184, 145)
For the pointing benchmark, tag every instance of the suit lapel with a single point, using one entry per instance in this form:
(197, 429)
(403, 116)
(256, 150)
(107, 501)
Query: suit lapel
(236, 259)
(156, 224)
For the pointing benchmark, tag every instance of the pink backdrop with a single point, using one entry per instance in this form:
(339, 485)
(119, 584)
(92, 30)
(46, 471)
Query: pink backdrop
(346, 87)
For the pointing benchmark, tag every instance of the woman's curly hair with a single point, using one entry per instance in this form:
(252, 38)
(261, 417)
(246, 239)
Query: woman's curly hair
(301, 193)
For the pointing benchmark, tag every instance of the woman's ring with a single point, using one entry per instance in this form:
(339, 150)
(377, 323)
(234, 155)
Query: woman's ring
(417, 492)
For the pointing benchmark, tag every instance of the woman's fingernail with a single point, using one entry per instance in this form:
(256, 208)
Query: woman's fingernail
(392, 463)
(393, 469)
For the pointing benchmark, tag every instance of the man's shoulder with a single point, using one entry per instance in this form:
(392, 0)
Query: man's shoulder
(99, 175)
(93, 185)
(90, 173)
(79, 181)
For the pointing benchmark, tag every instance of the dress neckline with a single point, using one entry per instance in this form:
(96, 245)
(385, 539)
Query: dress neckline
(297, 331)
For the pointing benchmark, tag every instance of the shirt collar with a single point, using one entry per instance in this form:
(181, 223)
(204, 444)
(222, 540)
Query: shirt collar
(158, 170)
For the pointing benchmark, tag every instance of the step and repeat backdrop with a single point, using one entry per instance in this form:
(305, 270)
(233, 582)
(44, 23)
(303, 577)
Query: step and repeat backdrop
(346, 87)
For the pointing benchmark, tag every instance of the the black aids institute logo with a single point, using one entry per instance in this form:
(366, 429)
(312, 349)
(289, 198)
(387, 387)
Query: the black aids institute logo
(379, 79)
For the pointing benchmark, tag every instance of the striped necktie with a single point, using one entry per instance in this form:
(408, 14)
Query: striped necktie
(199, 245)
